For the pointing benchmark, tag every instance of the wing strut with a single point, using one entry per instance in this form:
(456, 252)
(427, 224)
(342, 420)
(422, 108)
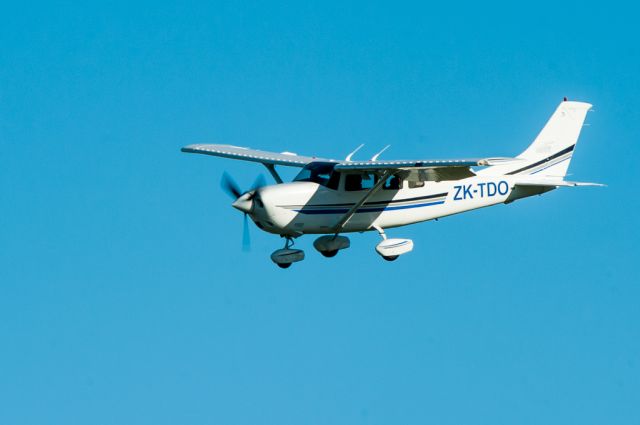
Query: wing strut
(274, 173)
(347, 216)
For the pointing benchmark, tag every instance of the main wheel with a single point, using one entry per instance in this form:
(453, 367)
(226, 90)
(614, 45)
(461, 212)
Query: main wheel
(284, 265)
(391, 257)
(329, 254)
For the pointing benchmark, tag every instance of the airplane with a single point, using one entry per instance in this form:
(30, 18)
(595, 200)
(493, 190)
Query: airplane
(332, 197)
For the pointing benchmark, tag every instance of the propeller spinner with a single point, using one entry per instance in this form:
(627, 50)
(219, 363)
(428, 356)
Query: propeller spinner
(243, 201)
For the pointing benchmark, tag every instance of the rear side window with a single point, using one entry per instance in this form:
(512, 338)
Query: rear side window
(393, 183)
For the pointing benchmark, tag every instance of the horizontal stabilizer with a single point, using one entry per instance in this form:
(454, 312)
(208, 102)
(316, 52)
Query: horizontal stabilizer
(555, 183)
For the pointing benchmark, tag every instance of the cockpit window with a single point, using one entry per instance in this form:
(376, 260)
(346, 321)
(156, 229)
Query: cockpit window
(321, 173)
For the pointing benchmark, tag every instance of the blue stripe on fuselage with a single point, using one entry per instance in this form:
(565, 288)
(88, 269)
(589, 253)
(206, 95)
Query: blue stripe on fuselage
(365, 209)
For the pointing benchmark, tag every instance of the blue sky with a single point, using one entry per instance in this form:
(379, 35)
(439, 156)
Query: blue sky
(125, 296)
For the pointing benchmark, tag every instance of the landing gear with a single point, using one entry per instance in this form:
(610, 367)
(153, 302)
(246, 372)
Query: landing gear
(329, 245)
(391, 249)
(286, 256)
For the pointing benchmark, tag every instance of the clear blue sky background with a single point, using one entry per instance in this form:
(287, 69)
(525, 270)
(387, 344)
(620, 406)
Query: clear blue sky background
(125, 297)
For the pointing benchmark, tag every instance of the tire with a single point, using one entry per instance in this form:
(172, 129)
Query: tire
(329, 254)
(391, 257)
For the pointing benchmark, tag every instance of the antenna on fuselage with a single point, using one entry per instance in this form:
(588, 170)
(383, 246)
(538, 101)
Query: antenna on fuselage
(375, 157)
(348, 158)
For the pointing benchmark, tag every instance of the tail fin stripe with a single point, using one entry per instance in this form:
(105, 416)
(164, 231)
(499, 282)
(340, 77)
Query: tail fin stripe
(551, 165)
(543, 161)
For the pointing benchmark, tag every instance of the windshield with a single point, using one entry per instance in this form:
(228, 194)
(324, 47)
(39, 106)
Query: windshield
(321, 173)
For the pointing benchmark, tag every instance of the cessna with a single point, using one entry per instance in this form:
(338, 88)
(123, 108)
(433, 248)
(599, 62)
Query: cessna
(332, 197)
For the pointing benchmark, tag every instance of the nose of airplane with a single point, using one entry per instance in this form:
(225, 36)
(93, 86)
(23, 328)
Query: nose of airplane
(244, 203)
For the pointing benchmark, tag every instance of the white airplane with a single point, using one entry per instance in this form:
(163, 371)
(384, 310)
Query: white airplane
(331, 197)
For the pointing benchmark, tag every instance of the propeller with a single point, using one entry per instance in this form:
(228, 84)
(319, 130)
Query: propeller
(230, 186)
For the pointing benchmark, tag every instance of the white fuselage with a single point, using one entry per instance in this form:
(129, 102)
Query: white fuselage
(296, 208)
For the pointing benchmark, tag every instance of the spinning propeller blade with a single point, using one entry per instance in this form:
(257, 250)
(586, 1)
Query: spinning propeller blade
(246, 237)
(258, 183)
(230, 186)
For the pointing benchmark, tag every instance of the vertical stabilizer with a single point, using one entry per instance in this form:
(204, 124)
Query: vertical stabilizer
(551, 152)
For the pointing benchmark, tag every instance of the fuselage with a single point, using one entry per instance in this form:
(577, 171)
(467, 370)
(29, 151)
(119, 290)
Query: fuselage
(303, 207)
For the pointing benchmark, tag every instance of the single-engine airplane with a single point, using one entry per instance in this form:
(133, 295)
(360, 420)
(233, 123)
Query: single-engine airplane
(332, 197)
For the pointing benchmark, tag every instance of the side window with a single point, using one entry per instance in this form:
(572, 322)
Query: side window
(353, 182)
(368, 181)
(392, 183)
(414, 184)
(334, 180)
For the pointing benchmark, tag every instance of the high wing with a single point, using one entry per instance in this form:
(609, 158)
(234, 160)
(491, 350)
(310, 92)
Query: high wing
(246, 154)
(447, 169)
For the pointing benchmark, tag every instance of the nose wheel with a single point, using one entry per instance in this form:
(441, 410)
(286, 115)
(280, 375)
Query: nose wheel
(286, 256)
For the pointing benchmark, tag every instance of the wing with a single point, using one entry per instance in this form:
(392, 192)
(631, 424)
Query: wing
(246, 154)
(447, 169)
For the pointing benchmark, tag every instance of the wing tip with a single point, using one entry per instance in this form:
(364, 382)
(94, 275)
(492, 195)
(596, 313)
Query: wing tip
(188, 149)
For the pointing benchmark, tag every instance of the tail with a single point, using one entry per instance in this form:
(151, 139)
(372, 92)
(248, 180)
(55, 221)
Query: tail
(550, 153)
